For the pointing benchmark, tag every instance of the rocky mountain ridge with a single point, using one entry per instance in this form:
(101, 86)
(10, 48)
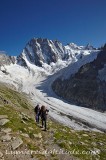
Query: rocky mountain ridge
(88, 86)
(47, 53)
(40, 51)
(5, 59)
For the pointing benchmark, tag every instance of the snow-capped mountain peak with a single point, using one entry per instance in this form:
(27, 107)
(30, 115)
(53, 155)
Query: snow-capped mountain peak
(40, 51)
(5, 59)
(58, 60)
(89, 47)
(51, 54)
(73, 46)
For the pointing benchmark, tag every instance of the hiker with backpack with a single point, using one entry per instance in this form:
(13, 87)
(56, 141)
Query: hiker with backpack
(43, 114)
(37, 112)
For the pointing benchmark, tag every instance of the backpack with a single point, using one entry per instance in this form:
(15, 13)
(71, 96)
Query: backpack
(36, 109)
(44, 114)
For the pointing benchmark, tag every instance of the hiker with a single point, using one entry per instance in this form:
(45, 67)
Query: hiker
(43, 114)
(37, 112)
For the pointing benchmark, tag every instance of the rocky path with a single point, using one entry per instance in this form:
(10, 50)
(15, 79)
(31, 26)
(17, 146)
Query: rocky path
(23, 146)
(22, 138)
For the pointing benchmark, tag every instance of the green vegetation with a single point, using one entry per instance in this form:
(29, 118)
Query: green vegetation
(13, 97)
(85, 145)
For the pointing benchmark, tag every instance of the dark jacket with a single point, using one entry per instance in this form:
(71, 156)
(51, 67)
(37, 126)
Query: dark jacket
(44, 114)
(37, 109)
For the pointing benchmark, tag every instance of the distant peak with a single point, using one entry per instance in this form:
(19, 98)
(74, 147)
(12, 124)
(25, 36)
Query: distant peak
(38, 40)
(89, 46)
(74, 46)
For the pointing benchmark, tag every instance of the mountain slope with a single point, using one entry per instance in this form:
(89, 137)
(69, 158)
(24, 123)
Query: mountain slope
(87, 87)
(40, 51)
(52, 55)
(20, 134)
(36, 82)
(21, 138)
(5, 60)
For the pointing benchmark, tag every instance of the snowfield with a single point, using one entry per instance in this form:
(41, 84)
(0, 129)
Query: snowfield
(36, 82)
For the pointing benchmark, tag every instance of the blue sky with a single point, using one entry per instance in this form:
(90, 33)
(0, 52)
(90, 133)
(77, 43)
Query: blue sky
(78, 21)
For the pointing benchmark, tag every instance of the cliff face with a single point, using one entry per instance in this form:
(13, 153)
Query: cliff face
(5, 59)
(38, 51)
(88, 86)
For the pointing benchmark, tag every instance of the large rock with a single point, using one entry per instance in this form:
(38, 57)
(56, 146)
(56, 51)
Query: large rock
(3, 121)
(1, 155)
(38, 135)
(16, 143)
(6, 137)
(25, 135)
(6, 130)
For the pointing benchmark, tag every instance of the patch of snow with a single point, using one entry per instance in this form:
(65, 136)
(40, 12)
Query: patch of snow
(89, 56)
(30, 50)
(36, 82)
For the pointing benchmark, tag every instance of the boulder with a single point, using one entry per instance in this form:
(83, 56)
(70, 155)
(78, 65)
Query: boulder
(25, 135)
(6, 137)
(38, 135)
(6, 130)
(16, 143)
(3, 121)
(1, 155)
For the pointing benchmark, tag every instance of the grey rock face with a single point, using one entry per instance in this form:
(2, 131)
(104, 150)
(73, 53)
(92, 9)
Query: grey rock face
(16, 143)
(3, 121)
(85, 88)
(89, 47)
(42, 50)
(25, 135)
(39, 51)
(1, 154)
(6, 130)
(6, 60)
(6, 137)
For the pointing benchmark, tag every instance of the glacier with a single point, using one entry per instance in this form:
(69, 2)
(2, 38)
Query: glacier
(36, 82)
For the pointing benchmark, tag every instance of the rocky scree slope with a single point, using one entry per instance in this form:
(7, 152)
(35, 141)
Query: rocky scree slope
(88, 86)
(19, 134)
